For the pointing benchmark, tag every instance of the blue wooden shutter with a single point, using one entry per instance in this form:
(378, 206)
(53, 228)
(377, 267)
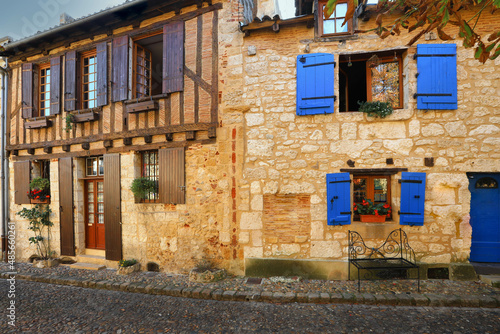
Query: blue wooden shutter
(315, 78)
(437, 76)
(411, 211)
(338, 193)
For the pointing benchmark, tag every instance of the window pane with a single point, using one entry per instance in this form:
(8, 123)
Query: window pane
(91, 219)
(385, 83)
(359, 190)
(91, 207)
(101, 219)
(339, 27)
(101, 167)
(341, 10)
(380, 191)
(329, 27)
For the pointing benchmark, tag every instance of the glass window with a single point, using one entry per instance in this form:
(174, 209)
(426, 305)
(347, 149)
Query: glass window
(150, 169)
(333, 24)
(147, 65)
(89, 79)
(44, 90)
(374, 188)
(95, 166)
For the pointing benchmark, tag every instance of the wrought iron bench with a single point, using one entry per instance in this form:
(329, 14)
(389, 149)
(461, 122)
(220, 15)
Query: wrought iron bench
(394, 256)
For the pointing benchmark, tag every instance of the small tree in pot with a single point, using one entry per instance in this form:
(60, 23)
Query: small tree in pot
(142, 186)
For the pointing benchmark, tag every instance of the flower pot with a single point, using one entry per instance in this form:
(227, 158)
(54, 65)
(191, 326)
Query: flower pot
(372, 218)
(129, 270)
(207, 276)
(40, 201)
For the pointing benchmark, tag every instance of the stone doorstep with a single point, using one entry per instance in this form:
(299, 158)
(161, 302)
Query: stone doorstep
(493, 280)
(88, 266)
(95, 259)
(433, 300)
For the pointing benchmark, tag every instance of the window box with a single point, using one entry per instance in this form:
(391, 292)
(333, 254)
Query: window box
(142, 106)
(85, 116)
(372, 218)
(38, 123)
(40, 201)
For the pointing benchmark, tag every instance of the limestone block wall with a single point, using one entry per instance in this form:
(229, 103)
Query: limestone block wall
(287, 156)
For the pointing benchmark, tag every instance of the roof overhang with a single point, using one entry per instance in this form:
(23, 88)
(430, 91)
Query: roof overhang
(276, 22)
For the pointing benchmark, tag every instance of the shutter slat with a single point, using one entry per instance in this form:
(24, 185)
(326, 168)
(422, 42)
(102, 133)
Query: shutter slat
(315, 84)
(27, 90)
(102, 74)
(21, 182)
(66, 206)
(411, 211)
(112, 204)
(437, 76)
(338, 193)
(120, 68)
(55, 85)
(173, 57)
(70, 81)
(172, 176)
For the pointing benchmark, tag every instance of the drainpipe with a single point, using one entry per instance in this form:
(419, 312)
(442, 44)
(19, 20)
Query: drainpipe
(4, 161)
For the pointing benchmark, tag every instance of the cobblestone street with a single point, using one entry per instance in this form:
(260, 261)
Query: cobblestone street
(47, 308)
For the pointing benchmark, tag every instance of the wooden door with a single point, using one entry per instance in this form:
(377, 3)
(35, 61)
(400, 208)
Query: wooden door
(94, 214)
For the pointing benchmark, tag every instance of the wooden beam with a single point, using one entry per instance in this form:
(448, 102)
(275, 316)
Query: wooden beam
(48, 149)
(127, 141)
(108, 143)
(190, 135)
(86, 146)
(212, 132)
(148, 139)
(66, 148)
(169, 136)
(31, 151)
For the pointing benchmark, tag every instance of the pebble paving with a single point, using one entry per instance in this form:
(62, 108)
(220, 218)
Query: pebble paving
(49, 308)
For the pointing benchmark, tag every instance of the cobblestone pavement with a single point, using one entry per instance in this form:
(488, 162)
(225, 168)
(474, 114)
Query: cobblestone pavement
(48, 308)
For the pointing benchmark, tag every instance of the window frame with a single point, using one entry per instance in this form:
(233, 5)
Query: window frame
(100, 163)
(364, 57)
(321, 19)
(46, 109)
(370, 185)
(81, 84)
(135, 64)
(155, 177)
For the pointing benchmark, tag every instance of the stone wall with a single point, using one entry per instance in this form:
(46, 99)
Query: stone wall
(288, 156)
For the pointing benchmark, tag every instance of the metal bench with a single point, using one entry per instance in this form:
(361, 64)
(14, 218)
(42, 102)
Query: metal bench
(394, 256)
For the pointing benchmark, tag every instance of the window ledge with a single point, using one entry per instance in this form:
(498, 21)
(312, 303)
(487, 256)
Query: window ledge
(147, 98)
(373, 171)
(85, 115)
(38, 122)
(149, 105)
(397, 115)
(337, 38)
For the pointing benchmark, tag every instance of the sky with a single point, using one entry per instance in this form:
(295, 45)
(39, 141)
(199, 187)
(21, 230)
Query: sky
(23, 18)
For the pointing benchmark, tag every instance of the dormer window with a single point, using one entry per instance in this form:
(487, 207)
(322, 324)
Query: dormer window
(333, 25)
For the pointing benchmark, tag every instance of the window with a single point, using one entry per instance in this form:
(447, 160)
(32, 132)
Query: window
(89, 79)
(147, 65)
(44, 89)
(150, 169)
(94, 166)
(374, 188)
(333, 25)
(370, 77)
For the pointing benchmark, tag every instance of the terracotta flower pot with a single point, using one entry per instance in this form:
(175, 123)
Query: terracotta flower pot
(40, 201)
(372, 218)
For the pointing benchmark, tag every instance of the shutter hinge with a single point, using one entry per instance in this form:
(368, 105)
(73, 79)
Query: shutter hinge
(430, 94)
(183, 188)
(321, 64)
(407, 213)
(302, 59)
(409, 181)
(415, 56)
(321, 97)
(343, 181)
(346, 213)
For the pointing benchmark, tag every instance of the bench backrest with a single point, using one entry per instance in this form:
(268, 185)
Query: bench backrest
(395, 246)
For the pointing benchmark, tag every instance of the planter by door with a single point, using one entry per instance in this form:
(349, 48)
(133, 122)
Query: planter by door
(39, 201)
(372, 218)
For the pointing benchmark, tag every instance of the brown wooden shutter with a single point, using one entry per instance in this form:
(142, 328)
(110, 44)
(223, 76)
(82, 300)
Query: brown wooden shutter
(120, 68)
(55, 85)
(66, 206)
(21, 182)
(112, 211)
(172, 186)
(70, 89)
(173, 57)
(27, 90)
(102, 74)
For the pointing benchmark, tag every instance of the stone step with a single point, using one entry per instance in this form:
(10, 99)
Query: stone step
(95, 259)
(88, 266)
(493, 280)
(97, 252)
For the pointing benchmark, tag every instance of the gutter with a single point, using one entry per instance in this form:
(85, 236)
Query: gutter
(4, 161)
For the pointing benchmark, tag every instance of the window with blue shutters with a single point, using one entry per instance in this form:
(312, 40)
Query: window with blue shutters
(437, 76)
(411, 210)
(338, 190)
(315, 78)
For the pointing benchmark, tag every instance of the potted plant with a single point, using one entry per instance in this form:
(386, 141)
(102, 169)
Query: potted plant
(376, 108)
(142, 186)
(39, 190)
(372, 213)
(40, 224)
(126, 267)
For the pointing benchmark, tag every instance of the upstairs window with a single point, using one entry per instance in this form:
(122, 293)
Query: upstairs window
(147, 65)
(95, 166)
(370, 77)
(333, 25)
(89, 79)
(44, 89)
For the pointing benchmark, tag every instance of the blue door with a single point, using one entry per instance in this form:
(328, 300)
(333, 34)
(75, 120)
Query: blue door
(485, 217)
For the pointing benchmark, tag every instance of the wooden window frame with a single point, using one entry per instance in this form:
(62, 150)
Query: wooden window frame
(99, 159)
(135, 66)
(81, 85)
(41, 110)
(154, 177)
(370, 190)
(382, 59)
(350, 28)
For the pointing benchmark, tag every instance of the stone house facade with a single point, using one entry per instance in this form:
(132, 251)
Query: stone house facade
(239, 128)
